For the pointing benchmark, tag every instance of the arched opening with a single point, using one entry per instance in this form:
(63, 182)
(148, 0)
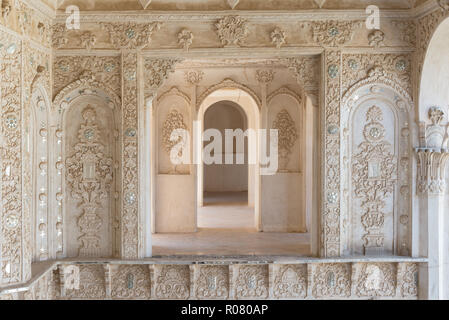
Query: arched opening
(226, 184)
(434, 88)
(246, 112)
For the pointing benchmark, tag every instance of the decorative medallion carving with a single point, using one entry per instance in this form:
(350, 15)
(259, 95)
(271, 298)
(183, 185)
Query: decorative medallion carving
(331, 33)
(89, 175)
(131, 35)
(232, 31)
(265, 76)
(193, 77)
(278, 37)
(157, 71)
(185, 39)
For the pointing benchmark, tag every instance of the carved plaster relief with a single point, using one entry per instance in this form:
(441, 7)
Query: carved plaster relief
(171, 282)
(130, 282)
(251, 282)
(89, 174)
(290, 281)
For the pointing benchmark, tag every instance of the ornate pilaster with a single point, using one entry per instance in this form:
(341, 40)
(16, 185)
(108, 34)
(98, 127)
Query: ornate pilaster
(330, 218)
(130, 173)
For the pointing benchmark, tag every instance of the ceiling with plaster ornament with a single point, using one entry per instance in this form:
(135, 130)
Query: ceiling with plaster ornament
(221, 5)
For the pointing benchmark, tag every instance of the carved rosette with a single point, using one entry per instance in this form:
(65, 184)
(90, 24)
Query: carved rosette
(130, 169)
(287, 137)
(232, 31)
(265, 76)
(330, 219)
(131, 35)
(193, 77)
(374, 170)
(89, 173)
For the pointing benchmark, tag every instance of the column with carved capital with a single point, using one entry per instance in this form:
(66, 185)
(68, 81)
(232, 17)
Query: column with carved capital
(431, 187)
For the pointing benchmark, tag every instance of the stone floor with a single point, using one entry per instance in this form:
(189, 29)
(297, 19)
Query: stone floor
(226, 226)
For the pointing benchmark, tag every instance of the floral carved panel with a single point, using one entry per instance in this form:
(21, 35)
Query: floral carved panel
(130, 282)
(212, 282)
(89, 175)
(172, 282)
(92, 283)
(331, 280)
(251, 282)
(290, 281)
(375, 279)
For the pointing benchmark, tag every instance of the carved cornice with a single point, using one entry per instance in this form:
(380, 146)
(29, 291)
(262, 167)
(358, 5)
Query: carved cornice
(285, 91)
(228, 84)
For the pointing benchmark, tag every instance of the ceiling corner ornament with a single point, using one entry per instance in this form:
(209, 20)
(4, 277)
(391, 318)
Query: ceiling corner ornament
(193, 77)
(376, 38)
(89, 176)
(185, 39)
(233, 3)
(131, 35)
(333, 33)
(145, 3)
(157, 71)
(374, 178)
(228, 84)
(265, 76)
(278, 37)
(232, 31)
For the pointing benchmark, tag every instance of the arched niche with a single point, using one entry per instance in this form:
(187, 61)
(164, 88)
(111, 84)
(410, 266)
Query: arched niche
(250, 104)
(377, 170)
(283, 205)
(88, 162)
(174, 184)
(434, 82)
(37, 153)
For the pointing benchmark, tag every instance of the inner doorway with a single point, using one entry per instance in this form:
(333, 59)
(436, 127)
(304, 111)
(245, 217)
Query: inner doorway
(226, 202)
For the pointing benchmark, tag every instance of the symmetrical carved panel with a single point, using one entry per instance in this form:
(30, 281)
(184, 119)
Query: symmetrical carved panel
(172, 282)
(375, 280)
(374, 177)
(290, 281)
(89, 175)
(331, 280)
(92, 283)
(130, 282)
(287, 137)
(251, 282)
(212, 282)
(232, 30)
